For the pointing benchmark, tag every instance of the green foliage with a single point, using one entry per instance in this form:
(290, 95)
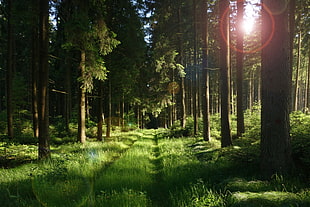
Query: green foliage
(300, 133)
(86, 31)
(300, 124)
(176, 131)
(252, 122)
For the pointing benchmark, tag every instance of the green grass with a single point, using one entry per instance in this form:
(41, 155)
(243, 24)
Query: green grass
(145, 168)
(66, 180)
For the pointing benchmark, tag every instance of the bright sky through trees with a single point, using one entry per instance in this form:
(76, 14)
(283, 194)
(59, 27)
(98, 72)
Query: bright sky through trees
(251, 13)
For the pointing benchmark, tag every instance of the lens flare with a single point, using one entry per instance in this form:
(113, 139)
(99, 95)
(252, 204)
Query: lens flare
(260, 46)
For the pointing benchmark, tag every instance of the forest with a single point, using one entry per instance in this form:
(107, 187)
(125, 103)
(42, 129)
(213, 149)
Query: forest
(141, 103)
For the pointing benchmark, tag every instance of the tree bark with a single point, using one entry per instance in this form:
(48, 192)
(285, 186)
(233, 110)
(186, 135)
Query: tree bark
(82, 102)
(43, 106)
(123, 112)
(195, 79)
(307, 104)
(205, 76)
(240, 38)
(181, 61)
(296, 88)
(68, 96)
(292, 25)
(35, 69)
(276, 92)
(226, 139)
(100, 112)
(109, 118)
(9, 73)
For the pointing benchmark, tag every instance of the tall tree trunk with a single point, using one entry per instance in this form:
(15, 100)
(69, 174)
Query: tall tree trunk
(43, 106)
(205, 76)
(195, 79)
(181, 61)
(307, 104)
(251, 88)
(100, 112)
(82, 102)
(226, 139)
(9, 73)
(240, 38)
(276, 88)
(123, 112)
(109, 118)
(292, 25)
(259, 91)
(296, 88)
(68, 96)
(35, 73)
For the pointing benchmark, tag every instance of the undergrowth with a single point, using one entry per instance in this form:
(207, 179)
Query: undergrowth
(155, 168)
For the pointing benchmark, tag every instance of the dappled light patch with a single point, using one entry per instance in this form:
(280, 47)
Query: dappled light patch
(241, 184)
(271, 198)
(124, 197)
(13, 155)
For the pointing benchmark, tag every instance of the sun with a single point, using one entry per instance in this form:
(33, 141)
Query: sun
(251, 13)
(248, 25)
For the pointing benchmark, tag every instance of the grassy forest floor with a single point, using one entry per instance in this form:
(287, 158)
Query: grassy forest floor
(153, 168)
(145, 168)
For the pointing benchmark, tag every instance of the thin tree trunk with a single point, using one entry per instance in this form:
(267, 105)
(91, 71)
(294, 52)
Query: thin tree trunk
(259, 91)
(68, 96)
(100, 112)
(35, 73)
(276, 92)
(82, 102)
(240, 38)
(292, 26)
(296, 88)
(226, 139)
(205, 76)
(183, 103)
(307, 98)
(123, 112)
(138, 116)
(43, 106)
(251, 86)
(195, 88)
(109, 118)
(9, 73)
(182, 88)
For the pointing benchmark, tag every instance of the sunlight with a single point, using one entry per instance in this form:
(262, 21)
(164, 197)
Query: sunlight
(248, 25)
(249, 17)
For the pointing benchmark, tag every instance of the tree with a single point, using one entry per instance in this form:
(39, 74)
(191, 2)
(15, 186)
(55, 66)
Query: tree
(307, 98)
(181, 62)
(100, 111)
(35, 68)
(127, 59)
(297, 72)
(226, 139)
(276, 90)
(9, 72)
(205, 75)
(43, 107)
(195, 75)
(82, 99)
(88, 34)
(240, 37)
